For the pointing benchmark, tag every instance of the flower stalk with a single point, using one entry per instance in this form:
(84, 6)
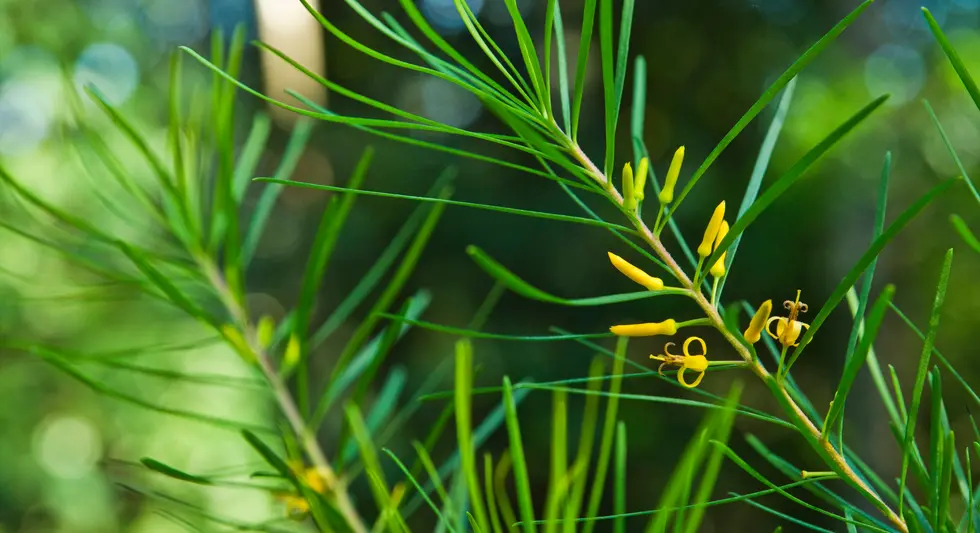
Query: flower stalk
(804, 424)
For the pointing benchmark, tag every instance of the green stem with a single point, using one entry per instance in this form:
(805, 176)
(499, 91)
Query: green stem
(807, 428)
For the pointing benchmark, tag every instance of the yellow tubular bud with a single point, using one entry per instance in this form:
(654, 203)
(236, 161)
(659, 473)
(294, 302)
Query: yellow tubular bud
(291, 356)
(635, 274)
(265, 330)
(718, 269)
(707, 243)
(640, 179)
(667, 193)
(667, 327)
(754, 331)
(629, 197)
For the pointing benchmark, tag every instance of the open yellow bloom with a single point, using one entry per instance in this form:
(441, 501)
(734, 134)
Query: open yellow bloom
(788, 329)
(667, 327)
(634, 273)
(710, 232)
(758, 323)
(688, 361)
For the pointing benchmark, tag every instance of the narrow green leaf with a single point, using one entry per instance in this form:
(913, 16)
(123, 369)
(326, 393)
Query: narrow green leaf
(327, 234)
(759, 170)
(418, 487)
(583, 454)
(585, 42)
(170, 471)
(521, 479)
(768, 96)
(936, 452)
(528, 51)
(384, 301)
(269, 455)
(464, 427)
(787, 180)
(173, 293)
(946, 477)
(954, 58)
(923, 368)
(263, 208)
(558, 483)
(619, 503)
(762, 479)
(870, 255)
(368, 454)
(607, 440)
(491, 497)
(492, 51)
(788, 518)
(852, 367)
(445, 201)
(519, 286)
(466, 332)
(950, 149)
(965, 233)
(562, 68)
(709, 476)
(608, 84)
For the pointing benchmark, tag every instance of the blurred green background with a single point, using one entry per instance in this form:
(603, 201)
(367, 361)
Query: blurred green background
(64, 450)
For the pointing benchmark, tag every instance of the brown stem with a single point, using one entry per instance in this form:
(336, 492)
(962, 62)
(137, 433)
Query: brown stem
(802, 421)
(287, 405)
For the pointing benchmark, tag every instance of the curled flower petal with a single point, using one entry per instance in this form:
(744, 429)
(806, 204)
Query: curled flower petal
(707, 242)
(697, 381)
(667, 327)
(759, 321)
(635, 273)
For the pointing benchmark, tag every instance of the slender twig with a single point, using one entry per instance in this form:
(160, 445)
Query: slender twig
(806, 426)
(284, 398)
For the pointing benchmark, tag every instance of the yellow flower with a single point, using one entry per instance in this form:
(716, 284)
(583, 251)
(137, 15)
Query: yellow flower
(696, 362)
(296, 504)
(788, 329)
(667, 193)
(640, 180)
(707, 243)
(718, 269)
(635, 274)
(264, 331)
(758, 323)
(667, 327)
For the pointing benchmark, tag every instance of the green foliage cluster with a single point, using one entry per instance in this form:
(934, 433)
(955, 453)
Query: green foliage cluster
(199, 259)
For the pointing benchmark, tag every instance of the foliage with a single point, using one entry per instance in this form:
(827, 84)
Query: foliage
(198, 263)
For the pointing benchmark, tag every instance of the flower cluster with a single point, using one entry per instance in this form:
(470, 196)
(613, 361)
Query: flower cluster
(787, 329)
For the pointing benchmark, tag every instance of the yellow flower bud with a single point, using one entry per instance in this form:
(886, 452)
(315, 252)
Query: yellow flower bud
(629, 198)
(754, 331)
(667, 327)
(718, 269)
(264, 331)
(291, 356)
(640, 179)
(667, 193)
(635, 274)
(707, 243)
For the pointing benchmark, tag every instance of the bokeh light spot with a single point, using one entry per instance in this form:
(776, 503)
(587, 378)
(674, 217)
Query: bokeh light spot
(67, 446)
(895, 69)
(110, 68)
(449, 104)
(25, 116)
(444, 16)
